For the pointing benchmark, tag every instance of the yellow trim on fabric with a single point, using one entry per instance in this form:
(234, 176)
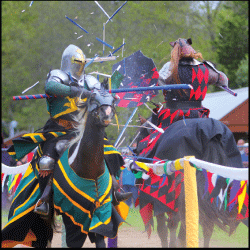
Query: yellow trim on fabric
(112, 152)
(72, 107)
(107, 190)
(106, 201)
(39, 151)
(32, 134)
(72, 219)
(37, 186)
(53, 133)
(28, 171)
(242, 196)
(71, 200)
(43, 138)
(111, 146)
(100, 223)
(33, 138)
(20, 215)
(105, 139)
(23, 189)
(72, 185)
(37, 168)
(108, 146)
(12, 153)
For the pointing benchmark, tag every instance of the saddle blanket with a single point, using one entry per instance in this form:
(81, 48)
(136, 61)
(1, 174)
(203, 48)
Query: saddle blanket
(84, 203)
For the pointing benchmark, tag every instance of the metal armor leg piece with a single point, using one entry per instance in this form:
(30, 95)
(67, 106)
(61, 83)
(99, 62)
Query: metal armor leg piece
(46, 163)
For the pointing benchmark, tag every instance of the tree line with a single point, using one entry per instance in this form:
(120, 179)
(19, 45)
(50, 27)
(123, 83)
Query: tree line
(34, 37)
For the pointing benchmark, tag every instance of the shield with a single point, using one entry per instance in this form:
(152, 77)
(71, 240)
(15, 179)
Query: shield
(138, 71)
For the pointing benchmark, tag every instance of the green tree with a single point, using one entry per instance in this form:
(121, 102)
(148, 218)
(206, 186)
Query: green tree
(33, 41)
(232, 44)
(203, 16)
(242, 73)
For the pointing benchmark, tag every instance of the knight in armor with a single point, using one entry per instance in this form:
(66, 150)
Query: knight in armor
(184, 68)
(64, 87)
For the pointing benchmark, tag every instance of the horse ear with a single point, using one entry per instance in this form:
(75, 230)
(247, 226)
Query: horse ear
(104, 84)
(172, 44)
(189, 40)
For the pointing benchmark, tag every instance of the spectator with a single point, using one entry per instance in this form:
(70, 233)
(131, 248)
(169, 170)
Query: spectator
(128, 185)
(241, 142)
(244, 156)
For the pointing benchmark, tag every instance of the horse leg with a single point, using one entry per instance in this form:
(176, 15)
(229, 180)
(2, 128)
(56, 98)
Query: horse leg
(182, 235)
(162, 229)
(208, 228)
(100, 243)
(172, 225)
(49, 245)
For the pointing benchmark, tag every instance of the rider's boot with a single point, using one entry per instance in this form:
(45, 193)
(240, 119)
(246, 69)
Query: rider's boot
(118, 196)
(42, 206)
(46, 165)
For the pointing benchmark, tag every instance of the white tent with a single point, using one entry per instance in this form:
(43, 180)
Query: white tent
(221, 103)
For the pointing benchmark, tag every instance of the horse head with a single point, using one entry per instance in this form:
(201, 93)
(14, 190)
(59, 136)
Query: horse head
(98, 103)
(101, 105)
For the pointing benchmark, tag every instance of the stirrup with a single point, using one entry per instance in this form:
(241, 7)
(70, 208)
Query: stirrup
(118, 197)
(42, 209)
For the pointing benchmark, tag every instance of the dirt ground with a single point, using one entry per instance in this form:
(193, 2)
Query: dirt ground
(129, 237)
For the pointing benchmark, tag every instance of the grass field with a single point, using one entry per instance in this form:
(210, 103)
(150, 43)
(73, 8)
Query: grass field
(4, 217)
(240, 236)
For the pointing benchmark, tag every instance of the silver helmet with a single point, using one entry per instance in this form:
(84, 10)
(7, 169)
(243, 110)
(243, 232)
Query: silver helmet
(73, 61)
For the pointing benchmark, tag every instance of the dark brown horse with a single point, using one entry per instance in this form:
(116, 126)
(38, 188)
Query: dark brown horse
(82, 185)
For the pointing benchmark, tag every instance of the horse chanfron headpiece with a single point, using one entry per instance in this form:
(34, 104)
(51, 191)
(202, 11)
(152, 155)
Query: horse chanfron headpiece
(185, 46)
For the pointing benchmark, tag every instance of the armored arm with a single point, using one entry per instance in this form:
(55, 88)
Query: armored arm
(164, 73)
(216, 77)
(223, 80)
(58, 83)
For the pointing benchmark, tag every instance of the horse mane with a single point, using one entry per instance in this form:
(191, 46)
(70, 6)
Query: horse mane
(80, 121)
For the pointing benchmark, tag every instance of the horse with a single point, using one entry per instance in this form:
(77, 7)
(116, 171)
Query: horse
(82, 186)
(215, 144)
